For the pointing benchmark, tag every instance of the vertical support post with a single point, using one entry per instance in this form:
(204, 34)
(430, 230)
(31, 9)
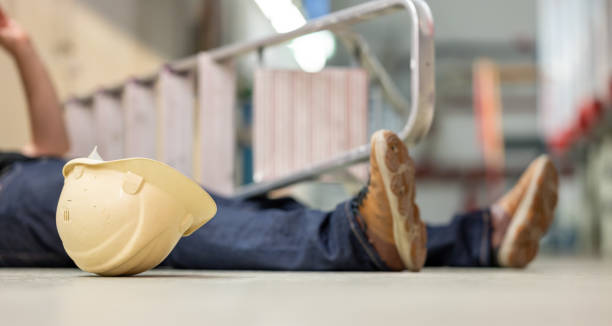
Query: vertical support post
(176, 104)
(140, 120)
(609, 29)
(108, 117)
(304, 118)
(600, 29)
(80, 123)
(216, 124)
(263, 125)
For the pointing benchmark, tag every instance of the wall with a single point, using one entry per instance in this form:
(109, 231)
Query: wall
(88, 44)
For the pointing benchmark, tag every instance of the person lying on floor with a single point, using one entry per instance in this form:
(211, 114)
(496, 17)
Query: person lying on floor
(379, 229)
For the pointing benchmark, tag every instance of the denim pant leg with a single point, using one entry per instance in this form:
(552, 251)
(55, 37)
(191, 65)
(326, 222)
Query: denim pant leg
(464, 242)
(276, 235)
(29, 192)
(254, 234)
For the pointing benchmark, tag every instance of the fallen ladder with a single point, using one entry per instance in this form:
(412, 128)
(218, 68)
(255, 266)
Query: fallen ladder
(422, 81)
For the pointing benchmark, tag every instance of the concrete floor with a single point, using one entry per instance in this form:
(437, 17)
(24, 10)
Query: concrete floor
(549, 292)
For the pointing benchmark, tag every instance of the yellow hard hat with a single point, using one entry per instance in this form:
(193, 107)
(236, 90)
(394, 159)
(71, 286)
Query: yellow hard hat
(124, 217)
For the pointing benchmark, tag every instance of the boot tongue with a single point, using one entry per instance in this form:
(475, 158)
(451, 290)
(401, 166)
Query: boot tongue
(94, 155)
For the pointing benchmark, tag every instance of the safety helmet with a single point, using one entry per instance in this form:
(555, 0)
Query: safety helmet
(124, 217)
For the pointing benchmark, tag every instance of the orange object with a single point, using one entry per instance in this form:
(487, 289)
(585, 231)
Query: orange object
(488, 113)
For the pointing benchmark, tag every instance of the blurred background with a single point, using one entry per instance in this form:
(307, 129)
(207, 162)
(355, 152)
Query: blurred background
(514, 79)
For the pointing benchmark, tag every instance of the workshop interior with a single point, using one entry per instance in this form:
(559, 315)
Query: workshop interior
(280, 98)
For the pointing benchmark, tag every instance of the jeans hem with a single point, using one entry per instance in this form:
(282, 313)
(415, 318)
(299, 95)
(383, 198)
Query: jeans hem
(362, 238)
(485, 240)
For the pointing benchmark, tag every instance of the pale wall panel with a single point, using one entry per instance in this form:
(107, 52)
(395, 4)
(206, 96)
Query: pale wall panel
(304, 118)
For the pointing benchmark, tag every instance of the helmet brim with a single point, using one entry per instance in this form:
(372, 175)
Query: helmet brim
(196, 200)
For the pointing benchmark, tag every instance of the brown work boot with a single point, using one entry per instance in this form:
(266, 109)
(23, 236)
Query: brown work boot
(523, 215)
(388, 210)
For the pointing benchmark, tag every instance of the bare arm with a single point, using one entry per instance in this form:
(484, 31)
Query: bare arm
(48, 131)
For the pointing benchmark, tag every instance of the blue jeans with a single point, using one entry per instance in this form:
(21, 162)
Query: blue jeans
(259, 233)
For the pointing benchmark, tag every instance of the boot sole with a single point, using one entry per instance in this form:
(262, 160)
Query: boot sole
(409, 232)
(532, 218)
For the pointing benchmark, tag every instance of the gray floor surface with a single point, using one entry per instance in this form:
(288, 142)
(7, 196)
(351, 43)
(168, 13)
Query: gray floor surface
(552, 291)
